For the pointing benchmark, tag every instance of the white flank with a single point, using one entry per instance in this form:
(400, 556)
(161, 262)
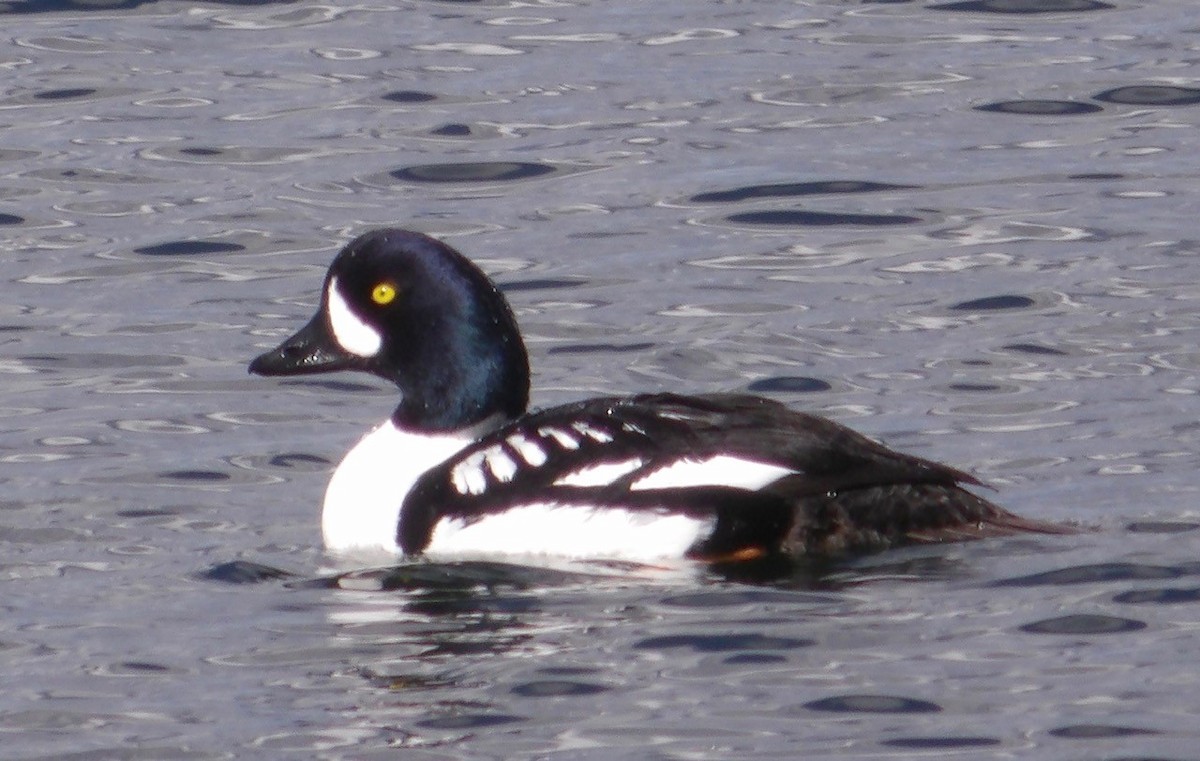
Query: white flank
(599, 475)
(721, 470)
(570, 531)
(362, 503)
(349, 330)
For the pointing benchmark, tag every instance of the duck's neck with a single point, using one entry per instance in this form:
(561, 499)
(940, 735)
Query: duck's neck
(464, 386)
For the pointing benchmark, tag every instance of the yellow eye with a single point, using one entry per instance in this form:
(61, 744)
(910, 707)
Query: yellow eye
(383, 294)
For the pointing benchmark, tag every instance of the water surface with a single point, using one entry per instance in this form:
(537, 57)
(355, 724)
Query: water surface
(965, 228)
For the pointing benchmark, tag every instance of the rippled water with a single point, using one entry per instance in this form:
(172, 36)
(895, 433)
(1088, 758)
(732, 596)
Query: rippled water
(966, 228)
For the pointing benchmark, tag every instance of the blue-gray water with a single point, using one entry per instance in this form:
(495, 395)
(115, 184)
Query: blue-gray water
(964, 229)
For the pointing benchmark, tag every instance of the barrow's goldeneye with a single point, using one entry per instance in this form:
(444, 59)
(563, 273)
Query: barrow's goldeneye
(462, 466)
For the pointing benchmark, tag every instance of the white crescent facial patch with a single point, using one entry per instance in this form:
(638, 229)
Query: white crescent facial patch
(349, 330)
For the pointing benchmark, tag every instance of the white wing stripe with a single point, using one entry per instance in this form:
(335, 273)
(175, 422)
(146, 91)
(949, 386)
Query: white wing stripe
(502, 466)
(529, 451)
(721, 470)
(562, 438)
(468, 477)
(602, 474)
(592, 432)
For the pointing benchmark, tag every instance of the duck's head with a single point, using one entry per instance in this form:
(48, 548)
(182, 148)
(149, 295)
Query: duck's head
(414, 311)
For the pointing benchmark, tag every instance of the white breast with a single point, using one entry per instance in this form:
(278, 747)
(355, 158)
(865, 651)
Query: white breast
(362, 503)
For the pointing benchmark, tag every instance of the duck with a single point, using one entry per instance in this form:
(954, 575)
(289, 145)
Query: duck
(463, 467)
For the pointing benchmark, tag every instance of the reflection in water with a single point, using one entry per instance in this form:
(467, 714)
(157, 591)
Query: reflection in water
(456, 577)
(941, 743)
(873, 704)
(593, 348)
(452, 130)
(1100, 573)
(794, 189)
(721, 643)
(1041, 107)
(432, 636)
(189, 248)
(992, 303)
(244, 572)
(1035, 349)
(62, 97)
(79, 92)
(556, 688)
(84, 6)
(409, 96)
(1096, 731)
(1151, 95)
(496, 171)
(1024, 6)
(801, 218)
(1085, 623)
(194, 476)
(1165, 596)
(789, 384)
(454, 651)
(233, 155)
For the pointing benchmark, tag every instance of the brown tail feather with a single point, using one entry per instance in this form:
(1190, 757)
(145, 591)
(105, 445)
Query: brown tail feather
(885, 516)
